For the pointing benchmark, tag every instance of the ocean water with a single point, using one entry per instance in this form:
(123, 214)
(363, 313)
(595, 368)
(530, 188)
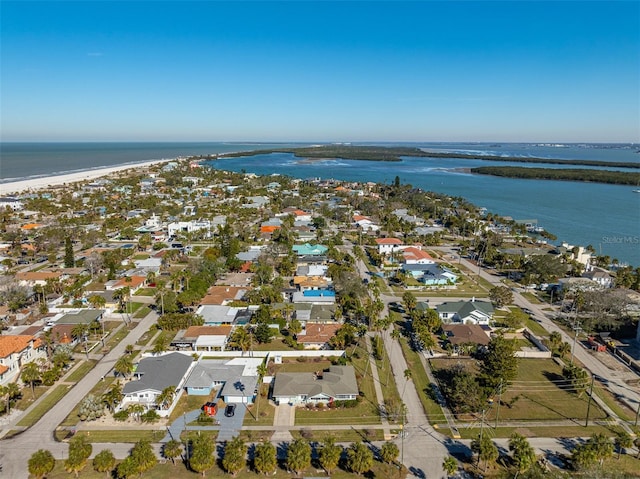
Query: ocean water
(605, 216)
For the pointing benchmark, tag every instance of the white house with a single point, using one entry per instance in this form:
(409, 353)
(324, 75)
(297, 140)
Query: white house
(388, 245)
(15, 352)
(337, 384)
(466, 312)
(11, 203)
(153, 375)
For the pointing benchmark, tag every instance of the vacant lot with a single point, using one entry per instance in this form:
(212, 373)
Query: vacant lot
(538, 393)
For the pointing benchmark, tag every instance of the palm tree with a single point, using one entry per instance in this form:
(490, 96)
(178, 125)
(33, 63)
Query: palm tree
(172, 449)
(124, 365)
(113, 396)
(450, 466)
(31, 375)
(165, 398)
(623, 440)
(136, 410)
(41, 463)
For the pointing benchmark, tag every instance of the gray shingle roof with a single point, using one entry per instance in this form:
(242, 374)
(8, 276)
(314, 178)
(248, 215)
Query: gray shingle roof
(159, 372)
(339, 380)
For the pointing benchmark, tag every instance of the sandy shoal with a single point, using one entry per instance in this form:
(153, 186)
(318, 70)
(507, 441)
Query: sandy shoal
(16, 187)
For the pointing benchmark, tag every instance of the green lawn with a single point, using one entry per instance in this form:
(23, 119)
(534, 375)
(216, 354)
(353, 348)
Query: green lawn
(536, 328)
(43, 406)
(81, 371)
(387, 381)
(145, 292)
(142, 312)
(262, 408)
(535, 394)
(123, 435)
(366, 411)
(188, 403)
(340, 435)
(533, 431)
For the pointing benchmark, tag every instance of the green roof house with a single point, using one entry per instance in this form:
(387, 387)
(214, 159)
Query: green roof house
(466, 312)
(309, 249)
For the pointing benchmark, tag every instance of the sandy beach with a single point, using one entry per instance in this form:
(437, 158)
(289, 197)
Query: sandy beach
(34, 184)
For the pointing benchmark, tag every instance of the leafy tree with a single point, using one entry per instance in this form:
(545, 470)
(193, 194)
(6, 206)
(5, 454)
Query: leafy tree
(523, 454)
(485, 449)
(577, 377)
(499, 365)
(41, 463)
(389, 452)
(69, 261)
(31, 375)
(143, 455)
(544, 268)
(235, 452)
(9, 392)
(329, 455)
(171, 450)
(500, 295)
(79, 452)
(104, 461)
(298, 455)
(515, 319)
(265, 459)
(263, 333)
(359, 458)
(202, 458)
(450, 466)
(91, 408)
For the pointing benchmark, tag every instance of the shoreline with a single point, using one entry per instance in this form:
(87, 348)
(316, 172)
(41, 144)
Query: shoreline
(34, 184)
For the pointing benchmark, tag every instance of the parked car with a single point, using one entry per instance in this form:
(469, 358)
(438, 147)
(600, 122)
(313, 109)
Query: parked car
(230, 410)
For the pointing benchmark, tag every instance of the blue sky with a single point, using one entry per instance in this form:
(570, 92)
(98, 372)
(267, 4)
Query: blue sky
(320, 71)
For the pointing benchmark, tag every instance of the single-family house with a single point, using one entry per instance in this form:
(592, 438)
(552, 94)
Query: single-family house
(413, 255)
(307, 249)
(463, 334)
(15, 352)
(365, 223)
(152, 376)
(235, 380)
(317, 336)
(474, 312)
(314, 296)
(223, 295)
(337, 384)
(388, 245)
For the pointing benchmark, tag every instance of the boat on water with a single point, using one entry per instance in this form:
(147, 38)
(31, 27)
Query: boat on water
(636, 191)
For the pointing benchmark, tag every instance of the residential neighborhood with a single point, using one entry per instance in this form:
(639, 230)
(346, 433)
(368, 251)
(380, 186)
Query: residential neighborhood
(182, 300)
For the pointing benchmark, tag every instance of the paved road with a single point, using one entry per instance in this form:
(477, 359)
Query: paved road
(614, 379)
(15, 452)
(422, 449)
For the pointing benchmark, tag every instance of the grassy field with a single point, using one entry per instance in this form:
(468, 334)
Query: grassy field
(123, 435)
(81, 371)
(262, 408)
(536, 394)
(536, 328)
(533, 431)
(188, 403)
(340, 435)
(43, 406)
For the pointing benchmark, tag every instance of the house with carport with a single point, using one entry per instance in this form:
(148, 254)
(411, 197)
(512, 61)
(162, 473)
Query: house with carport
(234, 380)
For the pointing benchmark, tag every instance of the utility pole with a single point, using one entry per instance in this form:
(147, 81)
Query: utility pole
(499, 400)
(593, 376)
(637, 414)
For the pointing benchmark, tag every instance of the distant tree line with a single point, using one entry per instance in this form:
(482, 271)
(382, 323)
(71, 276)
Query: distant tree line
(593, 176)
